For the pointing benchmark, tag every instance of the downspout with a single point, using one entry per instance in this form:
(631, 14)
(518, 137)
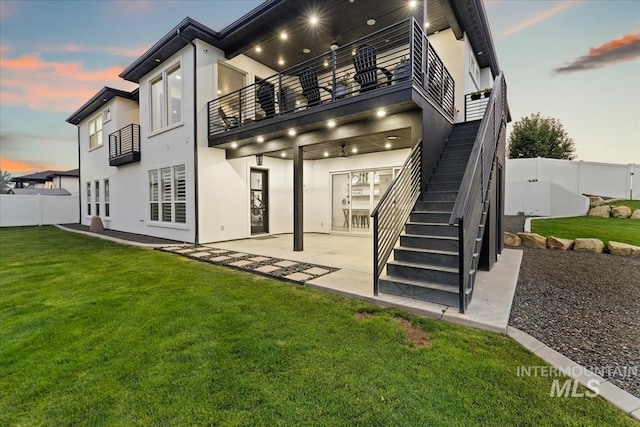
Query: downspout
(195, 138)
(79, 179)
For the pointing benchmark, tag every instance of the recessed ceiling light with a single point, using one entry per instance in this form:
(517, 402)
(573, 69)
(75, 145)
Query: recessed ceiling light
(260, 138)
(306, 50)
(283, 154)
(234, 145)
(281, 61)
(381, 113)
(157, 59)
(426, 25)
(219, 92)
(258, 49)
(325, 63)
(353, 52)
(436, 32)
(413, 3)
(326, 154)
(292, 132)
(331, 123)
(313, 20)
(283, 35)
(387, 145)
(354, 150)
(178, 77)
(371, 22)
(392, 137)
(480, 53)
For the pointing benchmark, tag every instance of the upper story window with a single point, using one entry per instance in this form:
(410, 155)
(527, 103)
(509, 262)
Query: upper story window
(166, 99)
(95, 131)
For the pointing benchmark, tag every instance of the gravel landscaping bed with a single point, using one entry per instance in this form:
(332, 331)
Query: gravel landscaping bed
(140, 238)
(584, 305)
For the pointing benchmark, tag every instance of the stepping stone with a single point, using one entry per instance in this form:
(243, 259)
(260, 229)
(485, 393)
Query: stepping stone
(241, 263)
(298, 277)
(316, 271)
(201, 254)
(238, 255)
(267, 268)
(219, 258)
(259, 259)
(184, 251)
(285, 263)
(218, 251)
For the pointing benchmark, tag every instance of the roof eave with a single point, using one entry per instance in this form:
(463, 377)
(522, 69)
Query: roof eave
(105, 94)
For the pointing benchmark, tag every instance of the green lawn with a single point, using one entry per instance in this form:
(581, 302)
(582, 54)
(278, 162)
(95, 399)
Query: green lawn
(631, 204)
(96, 333)
(605, 229)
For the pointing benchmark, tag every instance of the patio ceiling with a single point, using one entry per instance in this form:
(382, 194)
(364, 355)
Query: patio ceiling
(339, 21)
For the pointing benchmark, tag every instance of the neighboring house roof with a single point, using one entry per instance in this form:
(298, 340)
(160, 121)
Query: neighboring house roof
(105, 95)
(40, 177)
(43, 191)
(70, 173)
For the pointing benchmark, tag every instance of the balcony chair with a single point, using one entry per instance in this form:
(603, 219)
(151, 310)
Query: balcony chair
(365, 63)
(266, 98)
(230, 122)
(311, 88)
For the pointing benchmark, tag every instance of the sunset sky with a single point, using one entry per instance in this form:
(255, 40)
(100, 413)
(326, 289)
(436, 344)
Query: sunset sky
(577, 61)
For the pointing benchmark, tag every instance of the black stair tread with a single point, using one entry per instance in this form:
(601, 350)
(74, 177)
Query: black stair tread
(425, 236)
(429, 211)
(427, 251)
(429, 223)
(424, 266)
(421, 283)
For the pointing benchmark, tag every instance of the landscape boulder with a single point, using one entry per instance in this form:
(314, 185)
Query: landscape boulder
(588, 245)
(96, 225)
(558, 243)
(603, 211)
(595, 201)
(617, 248)
(533, 240)
(635, 214)
(511, 239)
(620, 212)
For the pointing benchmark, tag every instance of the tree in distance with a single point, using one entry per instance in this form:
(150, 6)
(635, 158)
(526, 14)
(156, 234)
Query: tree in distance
(537, 136)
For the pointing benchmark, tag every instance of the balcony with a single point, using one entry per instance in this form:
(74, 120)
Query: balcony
(124, 145)
(376, 68)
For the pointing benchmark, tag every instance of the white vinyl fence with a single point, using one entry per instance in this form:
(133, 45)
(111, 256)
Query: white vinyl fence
(20, 210)
(551, 187)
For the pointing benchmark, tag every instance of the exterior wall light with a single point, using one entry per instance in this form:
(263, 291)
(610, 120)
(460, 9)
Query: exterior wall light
(259, 159)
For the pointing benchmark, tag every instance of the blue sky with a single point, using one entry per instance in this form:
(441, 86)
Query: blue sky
(54, 55)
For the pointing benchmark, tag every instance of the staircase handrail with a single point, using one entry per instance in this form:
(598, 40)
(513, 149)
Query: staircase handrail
(394, 207)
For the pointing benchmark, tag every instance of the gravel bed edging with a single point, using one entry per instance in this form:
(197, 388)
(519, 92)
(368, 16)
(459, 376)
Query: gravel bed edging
(621, 399)
(113, 239)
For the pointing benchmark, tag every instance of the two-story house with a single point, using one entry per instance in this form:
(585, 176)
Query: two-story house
(341, 116)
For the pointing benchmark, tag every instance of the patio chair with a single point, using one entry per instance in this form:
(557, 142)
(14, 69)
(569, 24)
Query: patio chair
(266, 98)
(311, 88)
(230, 122)
(365, 63)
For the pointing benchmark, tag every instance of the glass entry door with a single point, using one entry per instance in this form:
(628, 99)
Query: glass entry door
(259, 201)
(354, 195)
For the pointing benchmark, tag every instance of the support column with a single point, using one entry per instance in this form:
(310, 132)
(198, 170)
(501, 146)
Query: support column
(298, 191)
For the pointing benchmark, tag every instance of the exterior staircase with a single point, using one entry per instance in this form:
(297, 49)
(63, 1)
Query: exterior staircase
(425, 263)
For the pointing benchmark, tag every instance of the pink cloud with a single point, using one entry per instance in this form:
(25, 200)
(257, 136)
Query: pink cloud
(8, 9)
(131, 52)
(21, 167)
(28, 80)
(626, 48)
(540, 17)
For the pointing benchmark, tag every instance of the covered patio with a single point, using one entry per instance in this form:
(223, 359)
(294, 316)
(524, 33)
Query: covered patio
(352, 256)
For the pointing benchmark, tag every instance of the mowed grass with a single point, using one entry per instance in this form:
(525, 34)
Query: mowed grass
(623, 230)
(631, 204)
(96, 333)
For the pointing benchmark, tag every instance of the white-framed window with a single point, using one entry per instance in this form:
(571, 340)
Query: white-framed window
(166, 98)
(474, 69)
(106, 115)
(168, 194)
(95, 131)
(89, 198)
(97, 196)
(107, 206)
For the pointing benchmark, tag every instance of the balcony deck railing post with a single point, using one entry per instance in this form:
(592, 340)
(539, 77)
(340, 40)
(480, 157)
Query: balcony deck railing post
(280, 95)
(333, 74)
(461, 269)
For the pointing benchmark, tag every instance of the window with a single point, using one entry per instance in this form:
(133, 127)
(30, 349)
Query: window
(89, 198)
(168, 195)
(97, 196)
(95, 132)
(166, 99)
(107, 212)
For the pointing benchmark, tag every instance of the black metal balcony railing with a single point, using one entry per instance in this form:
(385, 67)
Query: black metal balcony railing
(124, 145)
(469, 211)
(393, 55)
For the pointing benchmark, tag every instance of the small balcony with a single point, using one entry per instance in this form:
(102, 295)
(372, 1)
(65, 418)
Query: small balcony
(376, 68)
(124, 145)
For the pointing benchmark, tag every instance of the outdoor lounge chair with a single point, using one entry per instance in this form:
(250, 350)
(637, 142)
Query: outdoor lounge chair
(230, 122)
(311, 88)
(266, 98)
(366, 66)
